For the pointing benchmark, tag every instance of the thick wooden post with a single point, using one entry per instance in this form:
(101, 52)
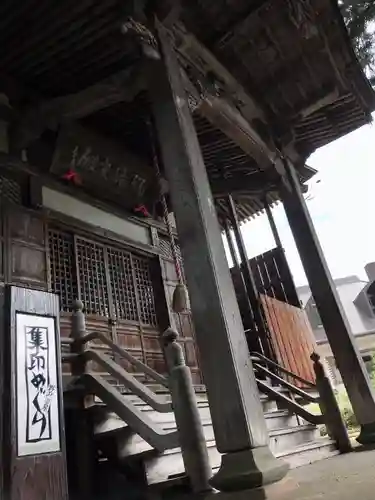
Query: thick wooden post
(4, 123)
(260, 321)
(329, 407)
(336, 326)
(80, 431)
(78, 331)
(33, 462)
(237, 269)
(188, 421)
(272, 223)
(232, 247)
(237, 416)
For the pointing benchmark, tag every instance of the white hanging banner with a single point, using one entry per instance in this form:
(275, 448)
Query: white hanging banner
(38, 419)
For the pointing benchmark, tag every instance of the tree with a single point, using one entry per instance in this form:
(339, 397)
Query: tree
(359, 16)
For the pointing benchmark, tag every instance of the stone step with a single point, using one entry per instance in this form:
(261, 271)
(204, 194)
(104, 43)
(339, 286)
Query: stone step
(267, 404)
(129, 444)
(170, 465)
(308, 453)
(108, 422)
(291, 437)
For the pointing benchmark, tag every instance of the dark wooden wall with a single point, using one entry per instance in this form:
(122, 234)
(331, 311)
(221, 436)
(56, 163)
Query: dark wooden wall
(125, 291)
(273, 277)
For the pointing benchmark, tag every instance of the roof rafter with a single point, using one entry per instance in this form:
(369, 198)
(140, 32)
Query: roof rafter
(122, 86)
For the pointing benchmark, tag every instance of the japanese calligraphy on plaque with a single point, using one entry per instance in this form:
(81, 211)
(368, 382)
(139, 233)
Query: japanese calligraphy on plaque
(105, 169)
(38, 419)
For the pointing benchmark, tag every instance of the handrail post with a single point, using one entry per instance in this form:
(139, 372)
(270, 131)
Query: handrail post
(328, 404)
(80, 428)
(188, 421)
(78, 331)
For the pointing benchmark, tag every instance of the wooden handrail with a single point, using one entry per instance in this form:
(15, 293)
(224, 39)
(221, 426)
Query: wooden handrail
(282, 369)
(189, 435)
(66, 340)
(290, 404)
(127, 411)
(292, 388)
(139, 389)
(125, 355)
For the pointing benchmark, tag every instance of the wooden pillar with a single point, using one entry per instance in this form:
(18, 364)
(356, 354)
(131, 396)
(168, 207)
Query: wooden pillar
(335, 323)
(80, 432)
(252, 292)
(254, 344)
(6, 112)
(237, 417)
(33, 460)
(231, 245)
(272, 223)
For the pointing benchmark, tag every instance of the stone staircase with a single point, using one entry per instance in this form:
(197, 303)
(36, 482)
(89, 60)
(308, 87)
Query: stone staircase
(291, 438)
(134, 427)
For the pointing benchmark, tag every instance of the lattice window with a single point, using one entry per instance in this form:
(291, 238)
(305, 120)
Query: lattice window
(122, 283)
(165, 247)
(107, 278)
(61, 268)
(10, 191)
(92, 277)
(145, 290)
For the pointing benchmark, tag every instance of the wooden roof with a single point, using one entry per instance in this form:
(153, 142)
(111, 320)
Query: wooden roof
(295, 58)
(292, 57)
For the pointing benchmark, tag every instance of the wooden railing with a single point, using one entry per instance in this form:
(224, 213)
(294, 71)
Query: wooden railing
(260, 358)
(189, 434)
(124, 408)
(321, 393)
(122, 353)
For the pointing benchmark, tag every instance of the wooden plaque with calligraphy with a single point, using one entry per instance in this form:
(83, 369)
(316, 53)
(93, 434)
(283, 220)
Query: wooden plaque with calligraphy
(33, 460)
(104, 168)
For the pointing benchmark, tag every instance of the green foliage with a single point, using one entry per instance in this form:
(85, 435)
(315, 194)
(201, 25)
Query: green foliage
(346, 409)
(359, 16)
(371, 370)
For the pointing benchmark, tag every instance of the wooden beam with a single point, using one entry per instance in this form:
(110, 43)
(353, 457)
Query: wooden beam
(199, 57)
(234, 121)
(224, 116)
(230, 121)
(255, 184)
(122, 86)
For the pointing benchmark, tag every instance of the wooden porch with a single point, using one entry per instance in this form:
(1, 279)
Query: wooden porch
(116, 118)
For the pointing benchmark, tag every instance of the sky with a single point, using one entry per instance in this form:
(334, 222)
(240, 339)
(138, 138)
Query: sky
(341, 201)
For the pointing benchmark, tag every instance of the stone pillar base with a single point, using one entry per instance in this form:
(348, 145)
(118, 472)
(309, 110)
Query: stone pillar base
(282, 490)
(248, 469)
(277, 491)
(367, 434)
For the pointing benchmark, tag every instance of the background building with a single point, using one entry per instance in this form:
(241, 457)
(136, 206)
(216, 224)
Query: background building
(358, 300)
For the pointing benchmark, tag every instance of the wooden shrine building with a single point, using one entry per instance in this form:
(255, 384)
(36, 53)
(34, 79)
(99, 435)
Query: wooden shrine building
(133, 136)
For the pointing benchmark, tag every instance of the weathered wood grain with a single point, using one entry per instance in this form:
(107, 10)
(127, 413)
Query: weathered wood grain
(292, 338)
(40, 477)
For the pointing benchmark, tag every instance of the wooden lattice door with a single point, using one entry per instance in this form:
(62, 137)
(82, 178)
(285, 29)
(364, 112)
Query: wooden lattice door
(133, 303)
(116, 289)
